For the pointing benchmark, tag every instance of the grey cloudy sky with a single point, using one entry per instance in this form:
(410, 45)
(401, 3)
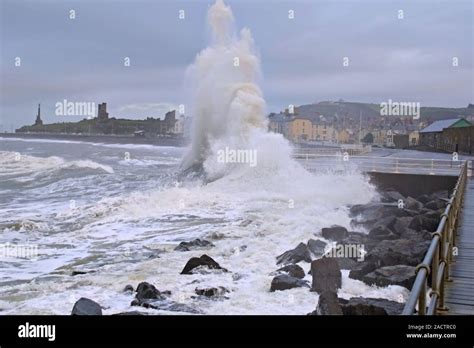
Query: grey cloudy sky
(406, 59)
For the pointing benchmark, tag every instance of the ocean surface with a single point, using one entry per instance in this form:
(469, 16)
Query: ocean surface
(118, 211)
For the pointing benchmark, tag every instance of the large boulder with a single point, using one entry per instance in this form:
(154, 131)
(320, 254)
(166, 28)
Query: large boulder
(346, 263)
(424, 198)
(372, 214)
(362, 268)
(443, 194)
(147, 291)
(326, 275)
(370, 306)
(211, 292)
(358, 238)
(424, 222)
(202, 262)
(401, 225)
(194, 244)
(300, 253)
(328, 304)
(317, 247)
(435, 205)
(335, 232)
(85, 306)
(128, 288)
(401, 275)
(381, 232)
(285, 282)
(416, 236)
(391, 196)
(292, 270)
(412, 204)
(166, 305)
(398, 252)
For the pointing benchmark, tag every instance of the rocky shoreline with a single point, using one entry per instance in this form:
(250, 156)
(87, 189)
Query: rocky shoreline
(388, 239)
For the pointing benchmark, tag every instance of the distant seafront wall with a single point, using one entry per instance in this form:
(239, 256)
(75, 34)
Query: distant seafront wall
(413, 184)
(110, 139)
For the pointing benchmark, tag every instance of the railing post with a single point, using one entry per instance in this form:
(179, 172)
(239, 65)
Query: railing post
(434, 269)
(442, 252)
(422, 299)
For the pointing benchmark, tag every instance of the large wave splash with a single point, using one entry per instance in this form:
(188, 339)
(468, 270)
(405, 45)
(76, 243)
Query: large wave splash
(228, 106)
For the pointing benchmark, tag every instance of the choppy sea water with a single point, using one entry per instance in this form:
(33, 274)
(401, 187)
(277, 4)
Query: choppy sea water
(118, 211)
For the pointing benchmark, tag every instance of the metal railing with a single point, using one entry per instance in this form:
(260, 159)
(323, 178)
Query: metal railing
(386, 164)
(436, 262)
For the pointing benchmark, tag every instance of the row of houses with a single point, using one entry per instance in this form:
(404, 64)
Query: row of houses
(452, 135)
(316, 128)
(299, 128)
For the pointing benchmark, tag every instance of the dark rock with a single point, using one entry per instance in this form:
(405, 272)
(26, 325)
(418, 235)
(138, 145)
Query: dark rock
(128, 288)
(146, 291)
(401, 225)
(387, 222)
(422, 222)
(194, 244)
(166, 306)
(292, 270)
(328, 304)
(204, 261)
(211, 292)
(435, 205)
(85, 306)
(416, 236)
(335, 232)
(391, 275)
(326, 275)
(371, 214)
(317, 247)
(285, 282)
(361, 269)
(346, 263)
(412, 204)
(423, 199)
(436, 215)
(391, 196)
(75, 273)
(380, 232)
(397, 252)
(357, 238)
(300, 253)
(370, 306)
(444, 194)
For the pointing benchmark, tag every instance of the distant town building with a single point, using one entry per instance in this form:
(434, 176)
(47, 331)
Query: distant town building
(401, 141)
(102, 113)
(414, 138)
(297, 128)
(458, 139)
(432, 136)
(182, 126)
(39, 121)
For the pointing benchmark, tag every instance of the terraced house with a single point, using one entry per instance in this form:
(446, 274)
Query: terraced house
(454, 135)
(298, 128)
